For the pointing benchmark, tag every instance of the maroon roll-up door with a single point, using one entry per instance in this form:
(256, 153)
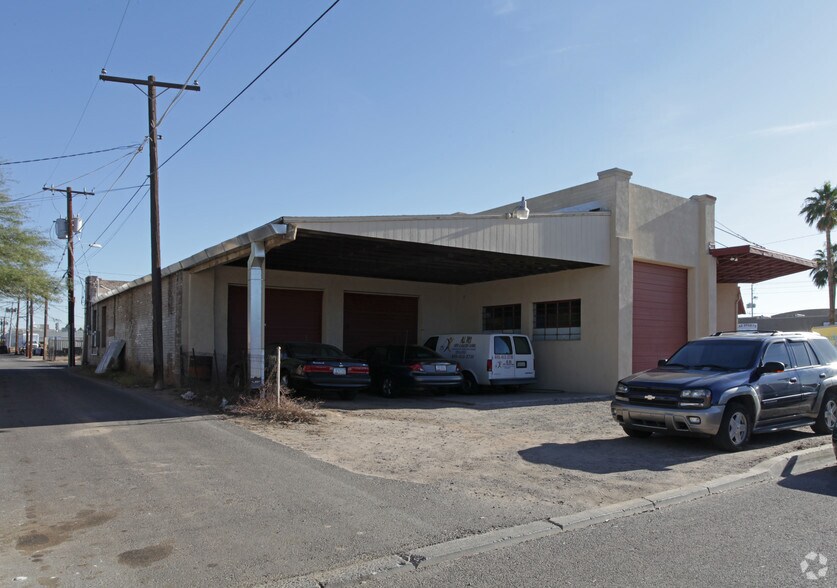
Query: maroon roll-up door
(290, 315)
(369, 319)
(660, 313)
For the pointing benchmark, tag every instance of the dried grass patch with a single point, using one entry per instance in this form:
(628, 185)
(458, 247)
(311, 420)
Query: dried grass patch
(288, 410)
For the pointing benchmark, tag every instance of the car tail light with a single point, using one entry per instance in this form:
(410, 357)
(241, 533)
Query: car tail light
(358, 369)
(416, 367)
(488, 365)
(316, 369)
(458, 367)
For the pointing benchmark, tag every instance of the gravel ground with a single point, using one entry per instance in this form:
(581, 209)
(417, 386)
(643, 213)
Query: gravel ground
(540, 453)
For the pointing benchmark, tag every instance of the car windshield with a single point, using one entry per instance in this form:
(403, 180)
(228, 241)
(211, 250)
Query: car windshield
(717, 354)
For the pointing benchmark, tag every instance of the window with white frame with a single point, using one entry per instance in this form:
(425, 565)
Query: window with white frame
(559, 320)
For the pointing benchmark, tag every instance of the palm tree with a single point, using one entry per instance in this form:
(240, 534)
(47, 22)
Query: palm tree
(819, 275)
(821, 211)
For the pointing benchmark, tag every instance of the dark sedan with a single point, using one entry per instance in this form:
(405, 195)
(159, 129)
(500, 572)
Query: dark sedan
(410, 367)
(317, 366)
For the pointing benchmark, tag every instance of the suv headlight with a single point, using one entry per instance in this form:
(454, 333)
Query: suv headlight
(621, 391)
(696, 398)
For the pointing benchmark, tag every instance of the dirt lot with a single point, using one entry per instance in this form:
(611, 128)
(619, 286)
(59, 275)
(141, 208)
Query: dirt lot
(542, 454)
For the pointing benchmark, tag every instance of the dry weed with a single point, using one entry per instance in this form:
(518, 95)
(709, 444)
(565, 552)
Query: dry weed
(288, 410)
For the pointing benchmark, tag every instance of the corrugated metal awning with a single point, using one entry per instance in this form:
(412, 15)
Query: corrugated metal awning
(747, 264)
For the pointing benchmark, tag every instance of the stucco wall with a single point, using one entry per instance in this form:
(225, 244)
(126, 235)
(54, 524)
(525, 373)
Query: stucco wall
(436, 309)
(727, 307)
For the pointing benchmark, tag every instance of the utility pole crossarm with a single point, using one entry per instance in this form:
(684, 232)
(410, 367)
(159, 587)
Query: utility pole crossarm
(192, 87)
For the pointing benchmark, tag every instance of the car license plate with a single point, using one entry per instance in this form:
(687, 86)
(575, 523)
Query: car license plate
(339, 371)
(441, 367)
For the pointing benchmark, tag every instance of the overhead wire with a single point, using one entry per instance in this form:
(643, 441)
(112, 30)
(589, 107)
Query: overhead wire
(247, 87)
(122, 173)
(92, 93)
(236, 97)
(192, 73)
(68, 156)
(232, 32)
(140, 146)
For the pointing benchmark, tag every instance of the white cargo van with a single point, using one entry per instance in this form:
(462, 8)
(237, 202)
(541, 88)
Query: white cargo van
(488, 359)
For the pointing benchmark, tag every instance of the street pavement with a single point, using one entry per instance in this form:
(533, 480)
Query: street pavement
(767, 534)
(101, 486)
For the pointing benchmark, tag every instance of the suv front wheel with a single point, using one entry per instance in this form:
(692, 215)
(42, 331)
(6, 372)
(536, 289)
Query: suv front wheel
(736, 427)
(827, 419)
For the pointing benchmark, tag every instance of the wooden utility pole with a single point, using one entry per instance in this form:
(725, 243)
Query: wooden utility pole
(46, 325)
(71, 274)
(30, 336)
(17, 327)
(156, 277)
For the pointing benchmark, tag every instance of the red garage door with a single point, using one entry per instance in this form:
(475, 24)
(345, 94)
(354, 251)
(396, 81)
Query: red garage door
(369, 319)
(660, 315)
(290, 315)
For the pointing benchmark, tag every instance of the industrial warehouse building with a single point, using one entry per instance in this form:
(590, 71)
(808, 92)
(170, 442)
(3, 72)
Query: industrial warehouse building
(605, 278)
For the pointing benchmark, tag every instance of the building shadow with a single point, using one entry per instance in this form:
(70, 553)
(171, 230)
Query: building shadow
(39, 397)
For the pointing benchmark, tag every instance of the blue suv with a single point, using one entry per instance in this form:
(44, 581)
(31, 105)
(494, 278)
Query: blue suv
(732, 385)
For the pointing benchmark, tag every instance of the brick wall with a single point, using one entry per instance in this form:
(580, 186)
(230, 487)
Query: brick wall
(127, 316)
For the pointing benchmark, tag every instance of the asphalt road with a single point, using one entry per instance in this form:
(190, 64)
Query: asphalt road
(103, 487)
(759, 535)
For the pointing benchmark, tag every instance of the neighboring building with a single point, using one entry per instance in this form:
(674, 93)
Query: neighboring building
(798, 320)
(606, 278)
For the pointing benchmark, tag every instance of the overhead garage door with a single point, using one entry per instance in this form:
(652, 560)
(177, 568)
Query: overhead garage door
(660, 322)
(369, 319)
(290, 315)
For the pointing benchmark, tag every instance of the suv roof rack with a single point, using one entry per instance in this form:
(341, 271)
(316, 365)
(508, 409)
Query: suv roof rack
(790, 333)
(716, 334)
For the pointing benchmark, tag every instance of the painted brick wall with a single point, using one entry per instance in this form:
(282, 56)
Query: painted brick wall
(128, 317)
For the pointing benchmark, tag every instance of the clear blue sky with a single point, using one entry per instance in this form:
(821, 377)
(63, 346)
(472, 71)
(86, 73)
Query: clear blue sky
(411, 107)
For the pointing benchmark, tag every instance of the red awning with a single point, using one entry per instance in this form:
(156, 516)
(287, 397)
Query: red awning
(746, 264)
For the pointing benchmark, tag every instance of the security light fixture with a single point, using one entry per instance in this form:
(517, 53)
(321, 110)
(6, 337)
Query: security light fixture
(521, 211)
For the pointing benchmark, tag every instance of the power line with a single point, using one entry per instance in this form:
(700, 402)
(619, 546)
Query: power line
(232, 32)
(121, 157)
(68, 156)
(192, 73)
(96, 240)
(122, 173)
(116, 36)
(89, 98)
(247, 87)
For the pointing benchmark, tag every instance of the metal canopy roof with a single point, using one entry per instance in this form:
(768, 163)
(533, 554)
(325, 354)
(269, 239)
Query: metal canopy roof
(351, 255)
(747, 264)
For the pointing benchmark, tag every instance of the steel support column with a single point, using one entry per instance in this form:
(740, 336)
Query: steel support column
(255, 313)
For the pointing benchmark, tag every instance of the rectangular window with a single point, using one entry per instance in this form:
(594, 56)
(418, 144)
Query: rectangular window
(557, 321)
(501, 319)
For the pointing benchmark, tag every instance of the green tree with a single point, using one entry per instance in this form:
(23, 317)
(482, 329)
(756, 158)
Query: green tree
(819, 275)
(23, 254)
(820, 211)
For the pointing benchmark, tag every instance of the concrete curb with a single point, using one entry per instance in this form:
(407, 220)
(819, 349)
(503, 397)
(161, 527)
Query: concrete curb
(433, 554)
(605, 513)
(774, 468)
